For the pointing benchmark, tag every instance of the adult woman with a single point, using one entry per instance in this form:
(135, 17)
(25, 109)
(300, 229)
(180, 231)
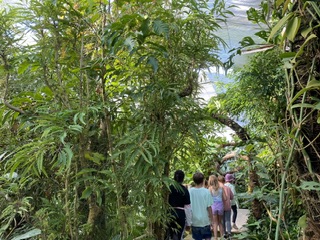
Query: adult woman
(229, 183)
(227, 208)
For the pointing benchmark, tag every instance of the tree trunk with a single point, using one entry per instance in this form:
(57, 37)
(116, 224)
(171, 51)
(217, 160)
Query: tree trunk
(241, 132)
(256, 205)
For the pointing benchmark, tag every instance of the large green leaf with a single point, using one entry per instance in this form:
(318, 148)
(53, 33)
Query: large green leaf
(285, 6)
(278, 27)
(87, 192)
(313, 84)
(69, 155)
(301, 49)
(129, 43)
(292, 28)
(79, 116)
(279, 2)
(154, 63)
(310, 185)
(161, 28)
(32, 233)
(302, 222)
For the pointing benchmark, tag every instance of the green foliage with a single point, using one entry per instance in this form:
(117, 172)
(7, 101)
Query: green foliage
(51, 218)
(282, 109)
(310, 185)
(16, 222)
(257, 95)
(103, 108)
(28, 235)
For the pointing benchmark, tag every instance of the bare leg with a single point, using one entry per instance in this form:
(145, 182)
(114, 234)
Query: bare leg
(215, 226)
(220, 219)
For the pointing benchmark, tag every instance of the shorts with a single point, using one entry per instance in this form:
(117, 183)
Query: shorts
(199, 233)
(217, 208)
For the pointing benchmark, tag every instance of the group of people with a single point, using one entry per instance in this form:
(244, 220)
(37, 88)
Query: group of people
(203, 208)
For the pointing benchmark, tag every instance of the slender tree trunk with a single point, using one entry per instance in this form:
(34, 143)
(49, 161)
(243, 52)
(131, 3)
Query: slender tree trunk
(256, 205)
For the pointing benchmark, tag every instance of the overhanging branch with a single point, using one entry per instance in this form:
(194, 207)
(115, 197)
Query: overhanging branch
(13, 107)
(240, 131)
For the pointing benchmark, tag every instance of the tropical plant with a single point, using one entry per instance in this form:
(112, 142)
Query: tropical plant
(292, 133)
(101, 103)
(300, 20)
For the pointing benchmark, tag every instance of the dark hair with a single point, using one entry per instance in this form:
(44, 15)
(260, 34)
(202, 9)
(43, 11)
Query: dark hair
(179, 176)
(198, 178)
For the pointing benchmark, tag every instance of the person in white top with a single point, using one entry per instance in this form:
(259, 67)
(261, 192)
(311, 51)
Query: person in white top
(229, 178)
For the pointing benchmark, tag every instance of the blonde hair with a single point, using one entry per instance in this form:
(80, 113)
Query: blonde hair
(213, 184)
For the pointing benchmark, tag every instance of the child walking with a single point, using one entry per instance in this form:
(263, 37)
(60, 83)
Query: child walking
(217, 207)
(201, 202)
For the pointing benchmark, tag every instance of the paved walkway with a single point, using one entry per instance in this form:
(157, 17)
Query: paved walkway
(241, 220)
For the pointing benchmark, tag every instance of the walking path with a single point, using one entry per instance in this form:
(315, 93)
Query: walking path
(242, 218)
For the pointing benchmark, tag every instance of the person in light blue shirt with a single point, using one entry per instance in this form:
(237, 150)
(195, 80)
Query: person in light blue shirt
(201, 201)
